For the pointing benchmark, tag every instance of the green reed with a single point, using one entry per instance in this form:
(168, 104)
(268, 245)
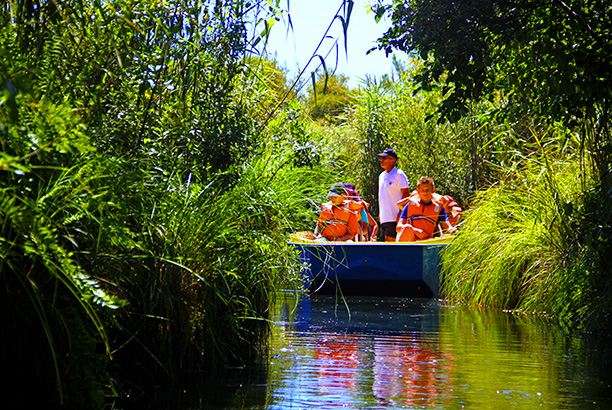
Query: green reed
(169, 276)
(142, 229)
(53, 304)
(527, 243)
(228, 241)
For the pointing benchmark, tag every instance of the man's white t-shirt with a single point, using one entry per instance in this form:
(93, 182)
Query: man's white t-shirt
(390, 185)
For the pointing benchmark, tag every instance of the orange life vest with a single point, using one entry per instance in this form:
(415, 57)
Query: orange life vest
(338, 220)
(423, 216)
(404, 201)
(357, 206)
(454, 216)
(452, 208)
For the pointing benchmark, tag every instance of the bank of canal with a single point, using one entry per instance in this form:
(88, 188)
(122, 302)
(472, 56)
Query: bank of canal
(415, 353)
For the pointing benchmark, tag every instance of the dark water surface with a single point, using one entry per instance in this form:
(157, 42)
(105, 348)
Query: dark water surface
(394, 353)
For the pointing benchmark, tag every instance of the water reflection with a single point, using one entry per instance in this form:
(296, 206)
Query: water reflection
(370, 352)
(400, 353)
(404, 372)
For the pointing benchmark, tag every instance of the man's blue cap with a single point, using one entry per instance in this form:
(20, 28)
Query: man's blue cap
(388, 153)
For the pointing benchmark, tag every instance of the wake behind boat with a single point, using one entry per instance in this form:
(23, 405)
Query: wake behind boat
(371, 268)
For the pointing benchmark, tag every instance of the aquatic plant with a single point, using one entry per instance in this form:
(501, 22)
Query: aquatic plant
(53, 308)
(220, 248)
(136, 224)
(528, 242)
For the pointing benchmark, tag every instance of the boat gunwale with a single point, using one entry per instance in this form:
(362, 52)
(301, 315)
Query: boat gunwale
(401, 244)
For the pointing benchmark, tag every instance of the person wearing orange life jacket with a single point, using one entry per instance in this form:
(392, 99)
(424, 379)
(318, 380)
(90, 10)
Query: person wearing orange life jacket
(422, 215)
(337, 222)
(452, 208)
(367, 223)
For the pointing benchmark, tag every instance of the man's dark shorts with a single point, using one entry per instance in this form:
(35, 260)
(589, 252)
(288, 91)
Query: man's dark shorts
(387, 229)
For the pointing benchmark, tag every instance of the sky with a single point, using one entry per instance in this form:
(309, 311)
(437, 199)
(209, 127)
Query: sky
(310, 19)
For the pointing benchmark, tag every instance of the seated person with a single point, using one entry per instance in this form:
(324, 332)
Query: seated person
(422, 215)
(452, 208)
(337, 221)
(367, 223)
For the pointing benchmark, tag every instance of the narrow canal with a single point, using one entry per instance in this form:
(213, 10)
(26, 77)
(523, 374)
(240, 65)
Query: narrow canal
(394, 353)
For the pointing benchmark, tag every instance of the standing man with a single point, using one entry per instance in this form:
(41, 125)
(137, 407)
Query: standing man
(392, 186)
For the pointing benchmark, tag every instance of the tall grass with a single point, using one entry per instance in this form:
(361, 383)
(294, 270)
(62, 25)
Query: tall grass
(142, 228)
(509, 232)
(53, 309)
(230, 238)
(527, 243)
(168, 276)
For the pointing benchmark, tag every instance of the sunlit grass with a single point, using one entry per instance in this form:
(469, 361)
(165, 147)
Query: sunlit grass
(522, 244)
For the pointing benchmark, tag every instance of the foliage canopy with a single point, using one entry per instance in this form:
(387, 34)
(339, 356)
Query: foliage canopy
(548, 58)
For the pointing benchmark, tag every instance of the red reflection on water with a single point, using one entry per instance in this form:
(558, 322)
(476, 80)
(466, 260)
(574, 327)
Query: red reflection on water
(405, 372)
(337, 360)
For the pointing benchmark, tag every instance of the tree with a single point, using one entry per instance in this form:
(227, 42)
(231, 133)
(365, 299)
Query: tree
(550, 58)
(330, 97)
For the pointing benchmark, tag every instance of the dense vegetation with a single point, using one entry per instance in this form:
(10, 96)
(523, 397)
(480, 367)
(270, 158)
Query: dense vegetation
(539, 238)
(143, 225)
(152, 166)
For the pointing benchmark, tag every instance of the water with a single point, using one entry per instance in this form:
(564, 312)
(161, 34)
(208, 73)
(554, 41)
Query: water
(393, 353)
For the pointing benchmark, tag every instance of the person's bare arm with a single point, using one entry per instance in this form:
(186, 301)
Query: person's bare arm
(419, 233)
(448, 228)
(346, 237)
(401, 224)
(405, 193)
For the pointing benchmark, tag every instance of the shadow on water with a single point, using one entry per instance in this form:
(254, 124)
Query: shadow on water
(375, 353)
(226, 388)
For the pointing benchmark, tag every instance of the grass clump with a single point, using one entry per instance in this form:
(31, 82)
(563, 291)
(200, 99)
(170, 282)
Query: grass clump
(528, 245)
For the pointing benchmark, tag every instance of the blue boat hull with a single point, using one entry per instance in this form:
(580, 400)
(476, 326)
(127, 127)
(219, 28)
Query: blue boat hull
(372, 268)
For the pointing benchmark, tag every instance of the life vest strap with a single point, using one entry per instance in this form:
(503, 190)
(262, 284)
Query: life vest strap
(334, 221)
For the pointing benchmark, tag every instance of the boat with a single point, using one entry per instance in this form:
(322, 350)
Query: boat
(410, 269)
